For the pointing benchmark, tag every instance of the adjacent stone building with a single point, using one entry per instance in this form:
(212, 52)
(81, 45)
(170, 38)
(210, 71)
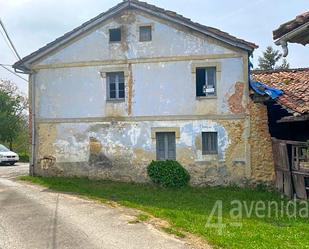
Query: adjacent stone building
(140, 83)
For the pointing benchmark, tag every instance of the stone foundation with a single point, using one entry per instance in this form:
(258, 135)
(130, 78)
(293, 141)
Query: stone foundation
(122, 150)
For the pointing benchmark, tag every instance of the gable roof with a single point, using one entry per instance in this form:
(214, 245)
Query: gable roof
(294, 83)
(291, 25)
(24, 63)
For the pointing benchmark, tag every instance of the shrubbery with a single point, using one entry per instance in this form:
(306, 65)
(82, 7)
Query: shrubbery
(168, 173)
(23, 157)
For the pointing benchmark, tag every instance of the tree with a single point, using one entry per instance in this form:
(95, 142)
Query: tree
(270, 59)
(284, 65)
(13, 116)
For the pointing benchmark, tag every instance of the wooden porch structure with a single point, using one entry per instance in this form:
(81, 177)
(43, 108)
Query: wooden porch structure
(291, 167)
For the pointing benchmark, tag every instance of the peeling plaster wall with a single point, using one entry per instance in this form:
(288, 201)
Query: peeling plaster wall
(80, 133)
(122, 150)
(166, 41)
(70, 92)
(80, 92)
(174, 93)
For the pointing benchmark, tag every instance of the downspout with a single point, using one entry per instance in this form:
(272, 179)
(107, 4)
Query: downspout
(33, 123)
(248, 123)
(283, 40)
(31, 93)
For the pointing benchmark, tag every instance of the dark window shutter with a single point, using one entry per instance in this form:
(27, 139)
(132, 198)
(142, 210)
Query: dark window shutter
(145, 33)
(115, 35)
(200, 81)
(204, 140)
(171, 146)
(166, 145)
(160, 144)
(209, 143)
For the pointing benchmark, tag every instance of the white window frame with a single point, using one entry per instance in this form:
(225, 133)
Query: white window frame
(117, 82)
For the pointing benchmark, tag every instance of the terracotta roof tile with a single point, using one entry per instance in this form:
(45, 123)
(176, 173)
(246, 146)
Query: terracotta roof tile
(294, 83)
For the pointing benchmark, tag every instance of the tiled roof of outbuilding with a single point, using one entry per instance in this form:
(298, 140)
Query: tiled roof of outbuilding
(294, 83)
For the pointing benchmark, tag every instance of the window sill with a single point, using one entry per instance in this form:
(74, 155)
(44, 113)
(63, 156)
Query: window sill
(208, 158)
(115, 100)
(205, 97)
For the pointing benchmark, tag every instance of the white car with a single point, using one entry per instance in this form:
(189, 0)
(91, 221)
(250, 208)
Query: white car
(7, 156)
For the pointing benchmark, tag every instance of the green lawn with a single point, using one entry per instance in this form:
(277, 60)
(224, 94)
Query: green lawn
(188, 209)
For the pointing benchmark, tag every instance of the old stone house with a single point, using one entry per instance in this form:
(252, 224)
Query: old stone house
(140, 83)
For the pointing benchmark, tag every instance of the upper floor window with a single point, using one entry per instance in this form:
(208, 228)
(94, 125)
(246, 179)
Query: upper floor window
(209, 143)
(145, 33)
(115, 35)
(115, 86)
(206, 81)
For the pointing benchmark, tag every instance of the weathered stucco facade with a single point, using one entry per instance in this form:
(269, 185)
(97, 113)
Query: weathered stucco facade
(79, 132)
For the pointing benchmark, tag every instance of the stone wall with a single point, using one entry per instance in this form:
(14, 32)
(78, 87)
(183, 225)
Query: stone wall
(262, 164)
(122, 150)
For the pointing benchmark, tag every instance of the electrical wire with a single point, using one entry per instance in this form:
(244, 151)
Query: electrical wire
(9, 39)
(7, 43)
(12, 48)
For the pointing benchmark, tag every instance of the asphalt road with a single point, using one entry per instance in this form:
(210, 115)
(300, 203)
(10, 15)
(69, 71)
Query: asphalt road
(34, 217)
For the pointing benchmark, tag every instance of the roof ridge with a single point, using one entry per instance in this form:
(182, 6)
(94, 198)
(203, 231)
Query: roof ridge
(259, 71)
(177, 15)
(210, 31)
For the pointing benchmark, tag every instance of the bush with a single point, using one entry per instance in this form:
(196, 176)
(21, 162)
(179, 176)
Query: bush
(23, 157)
(168, 173)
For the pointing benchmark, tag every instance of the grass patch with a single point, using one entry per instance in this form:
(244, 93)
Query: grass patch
(143, 217)
(140, 218)
(173, 231)
(188, 209)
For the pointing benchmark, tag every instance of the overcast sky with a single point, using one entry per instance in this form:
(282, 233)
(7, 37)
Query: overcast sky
(33, 23)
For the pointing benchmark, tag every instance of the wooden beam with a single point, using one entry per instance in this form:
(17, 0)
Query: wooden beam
(294, 119)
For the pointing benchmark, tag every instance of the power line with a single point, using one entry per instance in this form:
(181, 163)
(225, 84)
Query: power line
(7, 43)
(12, 48)
(11, 71)
(9, 39)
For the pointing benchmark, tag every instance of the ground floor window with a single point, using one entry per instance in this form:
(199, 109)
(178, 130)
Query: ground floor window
(209, 143)
(166, 145)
